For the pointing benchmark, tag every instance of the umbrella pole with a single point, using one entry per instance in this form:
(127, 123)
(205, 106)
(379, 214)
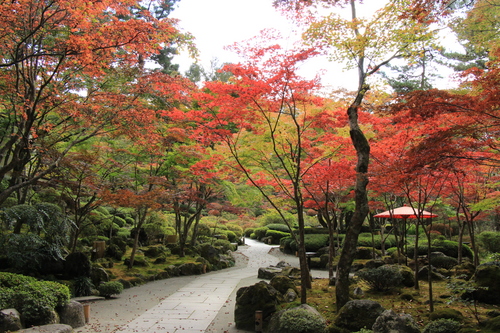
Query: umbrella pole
(405, 244)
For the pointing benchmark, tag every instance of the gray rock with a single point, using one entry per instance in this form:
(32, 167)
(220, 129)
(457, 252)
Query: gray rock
(268, 273)
(357, 314)
(282, 264)
(10, 320)
(358, 291)
(173, 270)
(72, 314)
(290, 295)
(53, 328)
(258, 297)
(390, 322)
(191, 268)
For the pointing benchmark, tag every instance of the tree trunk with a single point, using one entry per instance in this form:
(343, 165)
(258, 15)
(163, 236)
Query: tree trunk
(361, 201)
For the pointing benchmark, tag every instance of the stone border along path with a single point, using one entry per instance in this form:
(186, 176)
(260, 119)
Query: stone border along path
(193, 303)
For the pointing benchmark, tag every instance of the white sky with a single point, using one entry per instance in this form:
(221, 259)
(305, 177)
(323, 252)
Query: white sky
(219, 23)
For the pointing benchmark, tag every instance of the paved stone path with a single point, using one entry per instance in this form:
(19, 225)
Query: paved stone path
(201, 303)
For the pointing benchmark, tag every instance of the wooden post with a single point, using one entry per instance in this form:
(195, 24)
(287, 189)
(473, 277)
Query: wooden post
(86, 312)
(258, 321)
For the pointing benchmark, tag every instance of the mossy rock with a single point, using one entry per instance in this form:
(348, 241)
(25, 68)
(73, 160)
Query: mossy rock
(282, 283)
(408, 275)
(446, 314)
(487, 276)
(493, 324)
(258, 297)
(357, 314)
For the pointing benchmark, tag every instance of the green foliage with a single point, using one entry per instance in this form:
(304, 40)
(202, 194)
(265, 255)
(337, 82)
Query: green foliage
(279, 227)
(443, 262)
(107, 289)
(224, 245)
(32, 298)
(449, 248)
(249, 232)
(313, 242)
(40, 234)
(274, 218)
(77, 264)
(238, 231)
(260, 232)
(82, 286)
(276, 235)
(382, 278)
(299, 320)
(442, 326)
(366, 240)
(490, 241)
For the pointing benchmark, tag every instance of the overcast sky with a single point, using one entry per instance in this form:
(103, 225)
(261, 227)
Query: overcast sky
(219, 23)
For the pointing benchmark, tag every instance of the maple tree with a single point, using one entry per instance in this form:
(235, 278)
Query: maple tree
(265, 99)
(69, 72)
(366, 44)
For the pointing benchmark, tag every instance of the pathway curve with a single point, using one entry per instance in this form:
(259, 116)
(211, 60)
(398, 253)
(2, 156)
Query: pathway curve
(201, 303)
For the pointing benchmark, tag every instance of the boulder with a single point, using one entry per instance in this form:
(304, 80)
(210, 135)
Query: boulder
(282, 264)
(173, 270)
(407, 274)
(210, 253)
(375, 263)
(486, 278)
(53, 328)
(191, 268)
(301, 319)
(282, 283)
(98, 275)
(72, 314)
(10, 320)
(290, 295)
(258, 297)
(424, 272)
(357, 314)
(292, 272)
(390, 321)
(268, 273)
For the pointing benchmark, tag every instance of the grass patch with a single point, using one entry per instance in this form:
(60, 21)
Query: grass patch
(322, 297)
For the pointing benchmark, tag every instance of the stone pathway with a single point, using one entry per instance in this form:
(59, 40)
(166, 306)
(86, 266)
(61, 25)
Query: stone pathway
(201, 303)
(193, 307)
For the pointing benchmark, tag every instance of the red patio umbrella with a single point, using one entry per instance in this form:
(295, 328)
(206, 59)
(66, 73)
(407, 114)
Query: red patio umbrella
(404, 213)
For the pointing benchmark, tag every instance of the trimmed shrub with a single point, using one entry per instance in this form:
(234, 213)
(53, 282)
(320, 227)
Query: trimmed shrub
(278, 227)
(249, 232)
(35, 300)
(276, 235)
(449, 248)
(443, 262)
(238, 231)
(313, 242)
(224, 245)
(490, 241)
(442, 326)
(382, 278)
(107, 289)
(301, 321)
(260, 232)
(366, 240)
(285, 244)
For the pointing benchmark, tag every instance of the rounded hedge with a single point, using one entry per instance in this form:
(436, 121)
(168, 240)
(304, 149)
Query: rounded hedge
(35, 300)
(107, 289)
